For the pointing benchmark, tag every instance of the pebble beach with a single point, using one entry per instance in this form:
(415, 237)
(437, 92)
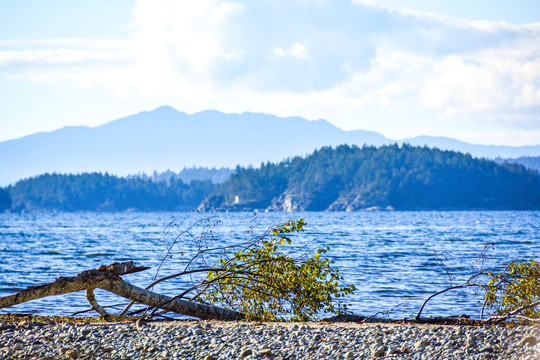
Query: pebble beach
(207, 340)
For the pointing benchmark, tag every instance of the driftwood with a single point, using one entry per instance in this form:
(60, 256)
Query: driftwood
(108, 278)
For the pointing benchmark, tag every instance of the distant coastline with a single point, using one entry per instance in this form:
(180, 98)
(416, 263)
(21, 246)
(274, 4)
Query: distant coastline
(344, 178)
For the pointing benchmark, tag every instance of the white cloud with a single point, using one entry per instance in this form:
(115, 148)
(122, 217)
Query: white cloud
(305, 55)
(59, 57)
(297, 51)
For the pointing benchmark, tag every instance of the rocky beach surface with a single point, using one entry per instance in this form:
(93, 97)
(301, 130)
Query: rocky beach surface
(206, 340)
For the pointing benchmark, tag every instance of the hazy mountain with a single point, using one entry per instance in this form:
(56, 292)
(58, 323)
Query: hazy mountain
(165, 139)
(487, 151)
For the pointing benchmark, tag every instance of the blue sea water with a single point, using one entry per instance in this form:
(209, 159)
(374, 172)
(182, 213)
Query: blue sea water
(395, 259)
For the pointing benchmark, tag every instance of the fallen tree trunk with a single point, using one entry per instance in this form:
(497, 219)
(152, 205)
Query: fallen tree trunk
(108, 278)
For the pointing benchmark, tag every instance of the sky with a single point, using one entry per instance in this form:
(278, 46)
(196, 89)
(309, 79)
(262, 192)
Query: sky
(463, 69)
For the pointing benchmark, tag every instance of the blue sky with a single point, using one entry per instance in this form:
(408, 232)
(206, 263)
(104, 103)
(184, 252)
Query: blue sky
(463, 69)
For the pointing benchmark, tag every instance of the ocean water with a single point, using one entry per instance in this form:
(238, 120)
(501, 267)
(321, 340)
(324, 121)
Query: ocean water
(395, 259)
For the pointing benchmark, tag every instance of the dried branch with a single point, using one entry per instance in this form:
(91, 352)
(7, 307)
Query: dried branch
(110, 281)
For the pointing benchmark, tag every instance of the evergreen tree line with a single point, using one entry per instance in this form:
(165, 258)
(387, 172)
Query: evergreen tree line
(399, 177)
(104, 192)
(187, 175)
(345, 178)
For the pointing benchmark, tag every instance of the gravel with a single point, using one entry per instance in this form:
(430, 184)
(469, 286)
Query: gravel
(213, 340)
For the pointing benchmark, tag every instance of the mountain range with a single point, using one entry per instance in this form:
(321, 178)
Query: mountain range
(165, 138)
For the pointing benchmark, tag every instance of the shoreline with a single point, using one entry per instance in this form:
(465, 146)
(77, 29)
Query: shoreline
(213, 340)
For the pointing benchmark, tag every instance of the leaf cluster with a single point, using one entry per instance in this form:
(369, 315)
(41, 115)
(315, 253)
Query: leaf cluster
(265, 283)
(516, 287)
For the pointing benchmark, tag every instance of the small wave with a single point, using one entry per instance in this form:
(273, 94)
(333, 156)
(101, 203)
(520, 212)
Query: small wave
(10, 289)
(50, 253)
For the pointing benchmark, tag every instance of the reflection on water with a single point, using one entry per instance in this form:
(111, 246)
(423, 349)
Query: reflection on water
(393, 258)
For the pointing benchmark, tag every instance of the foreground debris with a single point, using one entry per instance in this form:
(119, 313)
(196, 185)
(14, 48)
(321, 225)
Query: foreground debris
(108, 278)
(230, 340)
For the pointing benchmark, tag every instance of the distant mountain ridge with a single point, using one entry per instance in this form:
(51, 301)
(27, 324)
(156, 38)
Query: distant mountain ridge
(165, 139)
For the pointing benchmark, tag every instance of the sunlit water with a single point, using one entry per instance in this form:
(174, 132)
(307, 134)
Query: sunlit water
(393, 258)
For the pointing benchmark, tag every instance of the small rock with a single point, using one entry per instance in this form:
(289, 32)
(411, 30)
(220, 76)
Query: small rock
(208, 357)
(487, 349)
(380, 352)
(348, 355)
(4, 327)
(72, 354)
(246, 352)
(529, 340)
(140, 323)
(264, 352)
(404, 349)
(198, 331)
(422, 343)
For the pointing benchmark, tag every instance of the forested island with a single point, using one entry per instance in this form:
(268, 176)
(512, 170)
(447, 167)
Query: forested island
(344, 178)
(104, 192)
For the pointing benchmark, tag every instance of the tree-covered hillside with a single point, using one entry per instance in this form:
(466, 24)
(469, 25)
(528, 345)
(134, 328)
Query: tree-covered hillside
(346, 178)
(352, 178)
(530, 162)
(103, 192)
(5, 200)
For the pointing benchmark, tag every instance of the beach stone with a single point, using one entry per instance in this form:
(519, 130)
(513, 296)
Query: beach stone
(421, 343)
(264, 352)
(380, 352)
(6, 327)
(246, 352)
(486, 349)
(140, 323)
(72, 354)
(529, 340)
(404, 349)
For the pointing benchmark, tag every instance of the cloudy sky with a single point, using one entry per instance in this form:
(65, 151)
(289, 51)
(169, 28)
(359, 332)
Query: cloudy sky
(463, 69)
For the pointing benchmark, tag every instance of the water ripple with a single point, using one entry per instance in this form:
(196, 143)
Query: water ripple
(393, 258)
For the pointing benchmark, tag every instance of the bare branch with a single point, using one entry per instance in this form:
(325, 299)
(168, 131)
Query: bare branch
(468, 284)
(95, 306)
